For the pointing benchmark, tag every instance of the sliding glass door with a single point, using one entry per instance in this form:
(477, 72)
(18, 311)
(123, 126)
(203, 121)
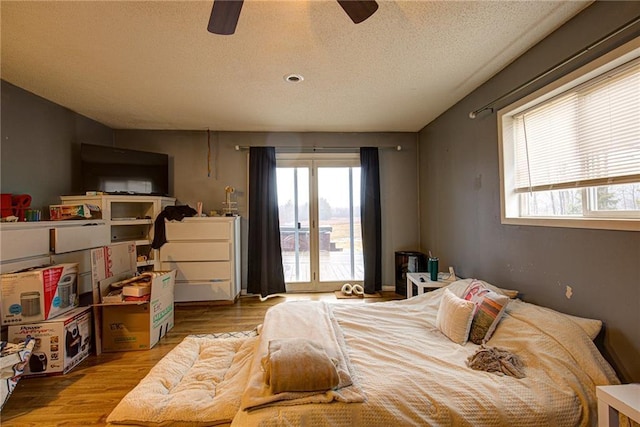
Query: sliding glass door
(294, 211)
(319, 202)
(340, 238)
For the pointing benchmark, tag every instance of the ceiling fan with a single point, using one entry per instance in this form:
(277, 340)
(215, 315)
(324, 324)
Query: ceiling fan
(225, 13)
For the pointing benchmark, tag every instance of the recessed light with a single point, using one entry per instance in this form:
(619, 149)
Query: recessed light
(293, 78)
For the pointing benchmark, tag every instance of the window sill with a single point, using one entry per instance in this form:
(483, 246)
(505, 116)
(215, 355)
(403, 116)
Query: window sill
(590, 223)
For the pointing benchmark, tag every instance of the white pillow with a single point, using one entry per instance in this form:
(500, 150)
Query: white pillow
(454, 317)
(591, 327)
(511, 293)
(459, 287)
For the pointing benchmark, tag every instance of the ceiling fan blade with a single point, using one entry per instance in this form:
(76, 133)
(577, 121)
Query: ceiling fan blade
(359, 10)
(224, 16)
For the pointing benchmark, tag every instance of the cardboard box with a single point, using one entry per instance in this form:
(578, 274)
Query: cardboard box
(109, 263)
(117, 261)
(38, 294)
(61, 343)
(62, 212)
(140, 325)
(129, 325)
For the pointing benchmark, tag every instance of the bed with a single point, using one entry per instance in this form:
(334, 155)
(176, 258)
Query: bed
(404, 363)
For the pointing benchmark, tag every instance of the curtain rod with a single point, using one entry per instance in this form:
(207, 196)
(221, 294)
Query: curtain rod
(319, 149)
(489, 106)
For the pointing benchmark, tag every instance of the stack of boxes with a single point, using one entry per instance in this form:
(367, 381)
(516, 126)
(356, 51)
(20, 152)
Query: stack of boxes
(135, 323)
(42, 303)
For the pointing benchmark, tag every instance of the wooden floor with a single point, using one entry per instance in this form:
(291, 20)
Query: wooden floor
(87, 394)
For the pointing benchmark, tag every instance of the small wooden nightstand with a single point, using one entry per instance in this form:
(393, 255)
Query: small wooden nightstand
(612, 399)
(423, 283)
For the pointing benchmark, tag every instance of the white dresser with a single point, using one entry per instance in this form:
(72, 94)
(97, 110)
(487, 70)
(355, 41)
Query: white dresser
(205, 252)
(32, 244)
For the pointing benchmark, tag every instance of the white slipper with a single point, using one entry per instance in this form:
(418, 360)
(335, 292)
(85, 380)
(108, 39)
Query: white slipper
(358, 290)
(347, 289)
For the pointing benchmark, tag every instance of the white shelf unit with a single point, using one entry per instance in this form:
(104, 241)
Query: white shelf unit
(129, 218)
(32, 244)
(205, 252)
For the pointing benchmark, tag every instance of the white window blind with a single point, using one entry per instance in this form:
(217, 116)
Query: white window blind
(587, 136)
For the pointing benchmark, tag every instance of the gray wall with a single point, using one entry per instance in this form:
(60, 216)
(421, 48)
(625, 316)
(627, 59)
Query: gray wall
(460, 204)
(40, 146)
(190, 183)
(40, 156)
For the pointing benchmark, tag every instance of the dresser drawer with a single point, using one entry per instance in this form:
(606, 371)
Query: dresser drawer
(15, 244)
(13, 266)
(83, 258)
(195, 251)
(69, 239)
(199, 270)
(198, 230)
(184, 292)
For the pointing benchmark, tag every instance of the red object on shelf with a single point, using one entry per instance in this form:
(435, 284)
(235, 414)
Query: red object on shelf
(20, 203)
(5, 205)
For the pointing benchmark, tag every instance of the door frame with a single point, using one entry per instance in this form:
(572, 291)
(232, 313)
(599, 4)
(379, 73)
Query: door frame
(313, 161)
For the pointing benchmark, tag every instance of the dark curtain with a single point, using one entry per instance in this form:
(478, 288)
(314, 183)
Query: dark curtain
(265, 272)
(370, 217)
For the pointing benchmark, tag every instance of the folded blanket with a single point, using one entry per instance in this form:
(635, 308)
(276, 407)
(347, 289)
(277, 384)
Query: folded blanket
(496, 360)
(294, 320)
(298, 364)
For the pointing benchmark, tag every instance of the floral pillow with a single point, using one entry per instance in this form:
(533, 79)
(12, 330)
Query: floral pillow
(490, 307)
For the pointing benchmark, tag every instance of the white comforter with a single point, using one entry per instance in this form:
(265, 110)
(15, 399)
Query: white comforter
(411, 374)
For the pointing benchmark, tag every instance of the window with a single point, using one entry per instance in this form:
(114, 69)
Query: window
(570, 152)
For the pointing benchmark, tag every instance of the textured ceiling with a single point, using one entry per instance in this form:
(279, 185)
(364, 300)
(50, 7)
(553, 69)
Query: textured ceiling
(153, 65)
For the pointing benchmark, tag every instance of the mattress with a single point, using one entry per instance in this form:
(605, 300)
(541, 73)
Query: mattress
(411, 374)
(198, 383)
(401, 371)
